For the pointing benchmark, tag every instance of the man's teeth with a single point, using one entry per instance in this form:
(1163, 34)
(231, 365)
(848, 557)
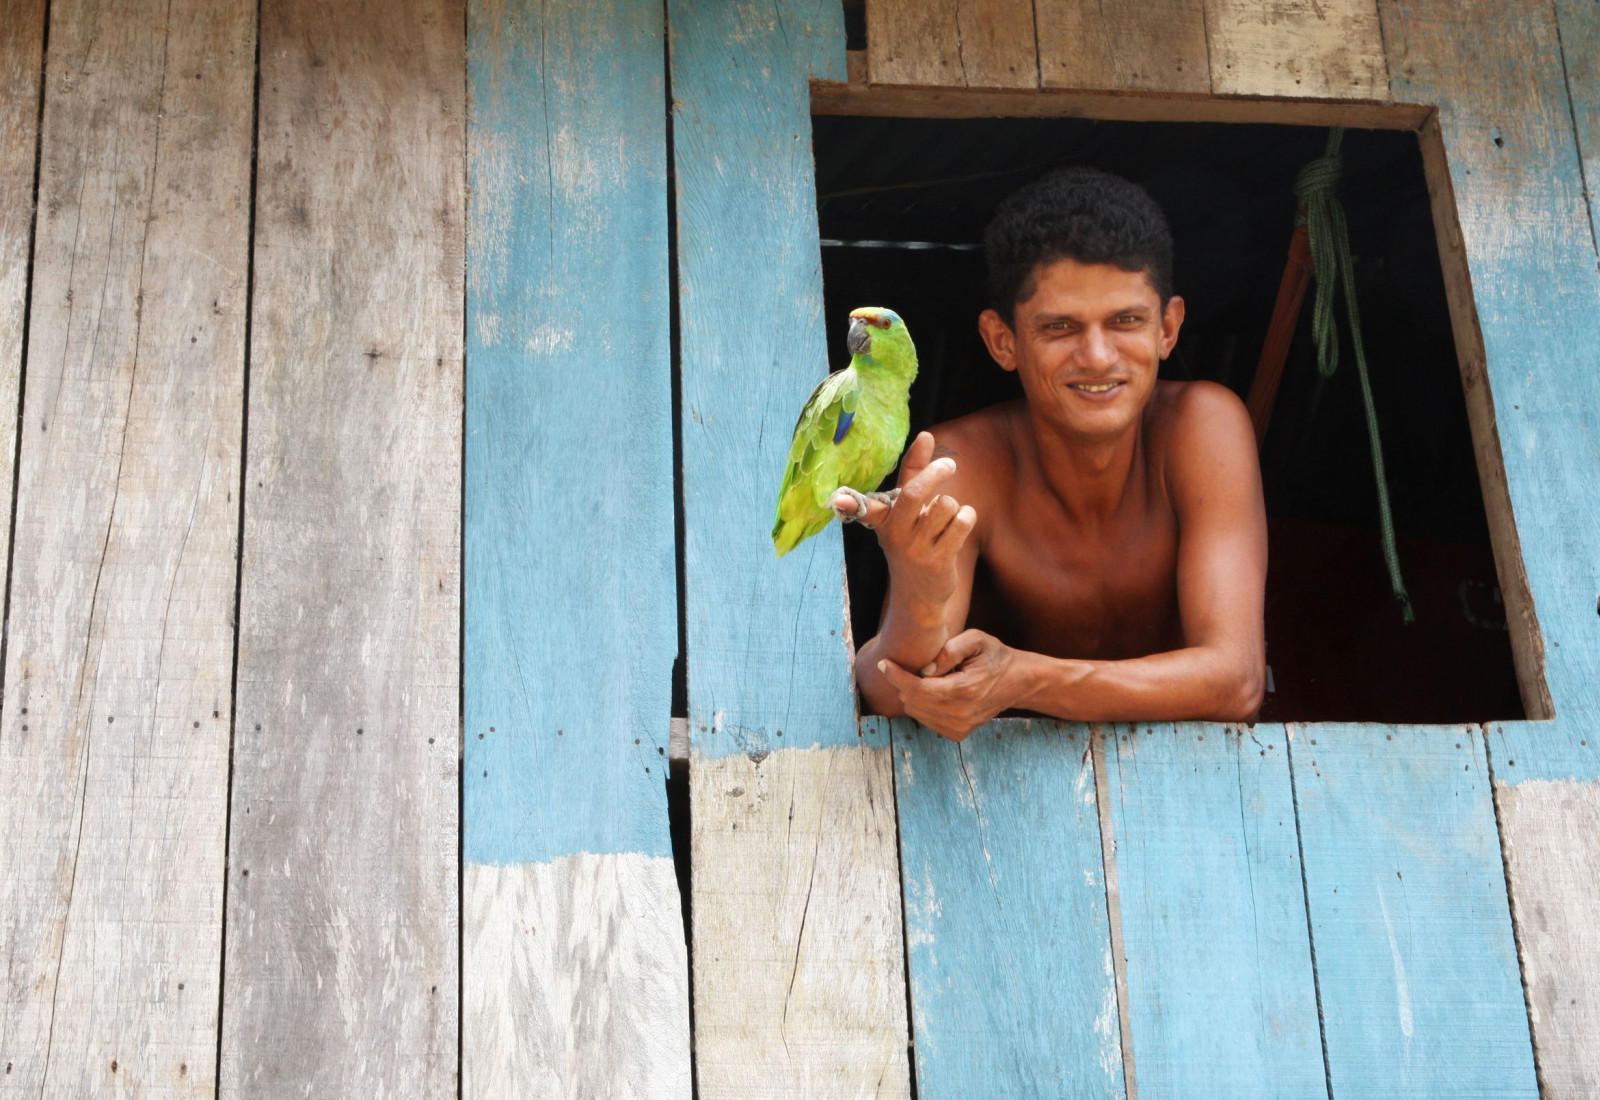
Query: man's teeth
(1095, 389)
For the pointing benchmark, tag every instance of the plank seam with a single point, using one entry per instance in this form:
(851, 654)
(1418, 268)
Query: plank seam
(680, 665)
(22, 351)
(238, 544)
(1516, 924)
(1305, 894)
(461, 571)
(905, 926)
(1108, 874)
(1038, 59)
(1383, 50)
(1577, 138)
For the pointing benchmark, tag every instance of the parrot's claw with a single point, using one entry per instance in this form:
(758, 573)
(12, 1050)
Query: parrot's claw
(859, 515)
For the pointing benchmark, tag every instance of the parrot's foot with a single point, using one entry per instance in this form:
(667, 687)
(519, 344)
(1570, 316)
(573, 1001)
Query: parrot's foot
(861, 499)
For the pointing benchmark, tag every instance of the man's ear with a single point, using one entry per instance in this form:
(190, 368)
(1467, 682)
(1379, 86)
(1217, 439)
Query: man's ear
(999, 338)
(1171, 322)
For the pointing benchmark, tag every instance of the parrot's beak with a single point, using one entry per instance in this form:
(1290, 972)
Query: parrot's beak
(859, 341)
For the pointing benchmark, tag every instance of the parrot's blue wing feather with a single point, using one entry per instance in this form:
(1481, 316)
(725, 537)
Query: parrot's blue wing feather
(826, 415)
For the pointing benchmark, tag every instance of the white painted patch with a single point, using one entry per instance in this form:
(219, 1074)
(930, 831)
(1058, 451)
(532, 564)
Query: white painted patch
(1402, 988)
(575, 980)
(548, 338)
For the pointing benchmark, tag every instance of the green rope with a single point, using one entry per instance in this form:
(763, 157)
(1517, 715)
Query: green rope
(1329, 238)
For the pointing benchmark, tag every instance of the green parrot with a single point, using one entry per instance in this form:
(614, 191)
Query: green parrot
(850, 433)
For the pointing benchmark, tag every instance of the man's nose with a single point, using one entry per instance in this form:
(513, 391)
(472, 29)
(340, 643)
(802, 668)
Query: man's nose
(1098, 350)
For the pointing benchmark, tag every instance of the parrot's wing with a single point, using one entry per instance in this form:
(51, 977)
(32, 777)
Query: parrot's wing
(823, 423)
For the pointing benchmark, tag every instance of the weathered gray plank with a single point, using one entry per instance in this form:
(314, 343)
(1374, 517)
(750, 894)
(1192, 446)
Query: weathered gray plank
(114, 746)
(21, 62)
(341, 971)
(1327, 49)
(1123, 45)
(952, 43)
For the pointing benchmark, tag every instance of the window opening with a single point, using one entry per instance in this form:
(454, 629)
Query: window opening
(902, 203)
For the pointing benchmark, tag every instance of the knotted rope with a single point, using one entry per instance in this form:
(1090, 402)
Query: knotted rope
(1323, 217)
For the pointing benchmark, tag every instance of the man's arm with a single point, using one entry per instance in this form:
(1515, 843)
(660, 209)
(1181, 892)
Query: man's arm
(931, 558)
(1214, 481)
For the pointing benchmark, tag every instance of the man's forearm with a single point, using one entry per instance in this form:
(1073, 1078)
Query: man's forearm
(911, 637)
(1197, 683)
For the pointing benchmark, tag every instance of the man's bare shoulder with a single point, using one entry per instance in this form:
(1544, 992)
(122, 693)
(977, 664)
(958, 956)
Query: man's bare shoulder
(981, 443)
(1198, 429)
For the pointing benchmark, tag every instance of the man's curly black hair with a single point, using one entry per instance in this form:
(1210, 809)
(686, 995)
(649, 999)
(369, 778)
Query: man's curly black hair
(1081, 214)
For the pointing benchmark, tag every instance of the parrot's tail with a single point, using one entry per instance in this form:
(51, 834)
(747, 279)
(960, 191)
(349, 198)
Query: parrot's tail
(789, 533)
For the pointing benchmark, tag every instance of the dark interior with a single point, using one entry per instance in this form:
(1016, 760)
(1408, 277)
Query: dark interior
(1336, 645)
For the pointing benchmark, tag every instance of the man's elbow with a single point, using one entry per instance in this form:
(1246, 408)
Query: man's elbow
(1245, 693)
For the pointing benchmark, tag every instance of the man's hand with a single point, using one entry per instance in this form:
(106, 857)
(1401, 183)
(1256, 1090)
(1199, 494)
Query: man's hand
(923, 532)
(974, 678)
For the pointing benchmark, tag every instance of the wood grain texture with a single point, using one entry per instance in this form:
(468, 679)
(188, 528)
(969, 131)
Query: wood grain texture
(1579, 25)
(1548, 828)
(766, 639)
(1506, 133)
(575, 966)
(341, 958)
(1416, 961)
(1012, 985)
(595, 995)
(569, 434)
(799, 975)
(21, 66)
(114, 746)
(952, 43)
(858, 99)
(1123, 45)
(1514, 166)
(1326, 49)
(798, 966)
(1213, 915)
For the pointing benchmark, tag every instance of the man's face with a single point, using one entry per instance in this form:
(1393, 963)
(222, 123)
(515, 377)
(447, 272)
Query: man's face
(1087, 345)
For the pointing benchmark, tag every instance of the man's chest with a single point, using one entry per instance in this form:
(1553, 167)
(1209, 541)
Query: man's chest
(1110, 594)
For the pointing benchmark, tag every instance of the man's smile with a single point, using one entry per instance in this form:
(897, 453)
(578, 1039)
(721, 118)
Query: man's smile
(1103, 390)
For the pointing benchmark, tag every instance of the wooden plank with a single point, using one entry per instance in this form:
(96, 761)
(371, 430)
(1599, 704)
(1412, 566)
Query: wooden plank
(114, 745)
(1416, 962)
(858, 99)
(1326, 49)
(567, 162)
(21, 64)
(342, 947)
(1212, 911)
(799, 979)
(1012, 985)
(1549, 806)
(952, 43)
(1124, 46)
(1579, 25)
(799, 967)
(1513, 163)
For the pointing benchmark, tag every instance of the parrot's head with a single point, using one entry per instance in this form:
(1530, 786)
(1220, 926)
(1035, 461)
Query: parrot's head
(880, 336)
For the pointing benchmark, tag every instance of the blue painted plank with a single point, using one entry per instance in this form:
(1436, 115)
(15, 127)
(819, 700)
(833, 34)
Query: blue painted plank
(1213, 912)
(1416, 963)
(571, 618)
(769, 667)
(1012, 989)
(1495, 71)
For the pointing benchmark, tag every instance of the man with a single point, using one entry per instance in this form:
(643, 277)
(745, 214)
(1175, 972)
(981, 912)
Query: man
(1098, 550)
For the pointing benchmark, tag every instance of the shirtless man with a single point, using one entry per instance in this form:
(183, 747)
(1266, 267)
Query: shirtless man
(1098, 550)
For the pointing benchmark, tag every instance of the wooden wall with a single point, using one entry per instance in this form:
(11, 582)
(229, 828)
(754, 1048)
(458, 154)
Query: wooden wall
(381, 407)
